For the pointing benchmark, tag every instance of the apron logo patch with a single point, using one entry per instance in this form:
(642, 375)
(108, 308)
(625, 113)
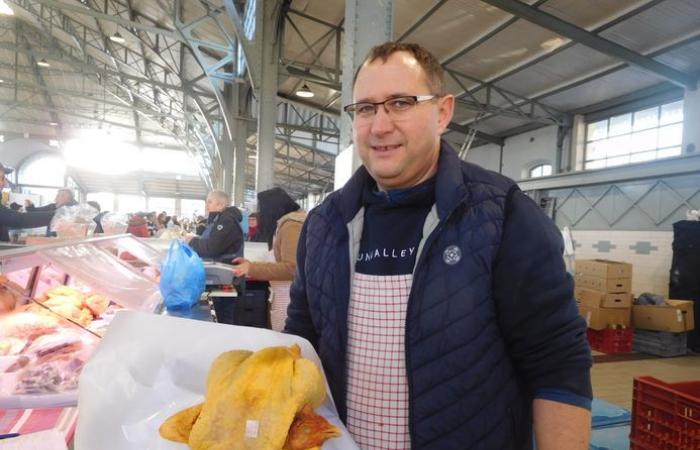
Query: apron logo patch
(219, 227)
(452, 255)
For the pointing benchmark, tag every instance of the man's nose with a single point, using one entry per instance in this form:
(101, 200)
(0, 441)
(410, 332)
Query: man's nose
(381, 122)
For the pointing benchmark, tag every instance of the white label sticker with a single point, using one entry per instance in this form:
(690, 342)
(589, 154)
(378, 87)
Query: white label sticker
(251, 428)
(679, 315)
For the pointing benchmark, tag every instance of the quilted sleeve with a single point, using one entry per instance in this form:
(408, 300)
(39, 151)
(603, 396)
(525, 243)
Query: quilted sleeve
(544, 334)
(298, 314)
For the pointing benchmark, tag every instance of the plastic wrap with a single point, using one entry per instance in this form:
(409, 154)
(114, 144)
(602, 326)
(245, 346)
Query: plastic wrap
(41, 356)
(74, 222)
(161, 375)
(104, 274)
(114, 223)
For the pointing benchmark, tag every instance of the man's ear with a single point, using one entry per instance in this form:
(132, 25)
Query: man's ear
(446, 109)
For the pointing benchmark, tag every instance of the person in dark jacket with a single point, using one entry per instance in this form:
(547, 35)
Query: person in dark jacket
(254, 229)
(10, 218)
(64, 197)
(435, 291)
(222, 239)
(98, 218)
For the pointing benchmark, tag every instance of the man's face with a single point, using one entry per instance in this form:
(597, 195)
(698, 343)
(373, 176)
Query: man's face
(62, 198)
(399, 152)
(213, 204)
(252, 222)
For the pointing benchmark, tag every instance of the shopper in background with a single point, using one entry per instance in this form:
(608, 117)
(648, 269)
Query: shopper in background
(138, 226)
(200, 225)
(281, 220)
(222, 239)
(151, 221)
(254, 233)
(98, 218)
(435, 291)
(9, 218)
(64, 197)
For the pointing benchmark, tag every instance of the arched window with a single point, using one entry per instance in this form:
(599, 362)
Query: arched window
(42, 170)
(541, 170)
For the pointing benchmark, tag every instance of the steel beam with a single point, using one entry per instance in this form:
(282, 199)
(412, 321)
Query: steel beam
(464, 129)
(594, 41)
(129, 24)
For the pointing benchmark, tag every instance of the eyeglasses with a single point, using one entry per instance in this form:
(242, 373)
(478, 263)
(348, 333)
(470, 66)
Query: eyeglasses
(395, 106)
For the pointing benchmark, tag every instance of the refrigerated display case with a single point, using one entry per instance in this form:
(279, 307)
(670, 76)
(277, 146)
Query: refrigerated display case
(57, 301)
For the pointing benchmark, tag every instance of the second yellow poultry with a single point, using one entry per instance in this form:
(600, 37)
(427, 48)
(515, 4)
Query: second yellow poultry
(256, 401)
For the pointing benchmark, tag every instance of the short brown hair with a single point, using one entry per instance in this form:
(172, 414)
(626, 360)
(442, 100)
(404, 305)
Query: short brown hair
(435, 76)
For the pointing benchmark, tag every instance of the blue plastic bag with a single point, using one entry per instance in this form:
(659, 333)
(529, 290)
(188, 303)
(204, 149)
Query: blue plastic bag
(181, 277)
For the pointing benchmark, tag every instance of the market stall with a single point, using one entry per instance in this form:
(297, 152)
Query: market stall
(56, 302)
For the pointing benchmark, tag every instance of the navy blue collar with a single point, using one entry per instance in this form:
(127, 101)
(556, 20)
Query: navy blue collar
(450, 189)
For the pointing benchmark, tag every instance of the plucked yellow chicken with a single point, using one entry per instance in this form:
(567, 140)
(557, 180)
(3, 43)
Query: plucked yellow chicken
(256, 401)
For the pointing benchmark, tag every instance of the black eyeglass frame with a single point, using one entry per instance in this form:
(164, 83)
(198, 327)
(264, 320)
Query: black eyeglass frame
(351, 109)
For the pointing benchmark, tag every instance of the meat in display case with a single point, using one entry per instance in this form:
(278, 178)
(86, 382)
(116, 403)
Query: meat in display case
(56, 301)
(137, 252)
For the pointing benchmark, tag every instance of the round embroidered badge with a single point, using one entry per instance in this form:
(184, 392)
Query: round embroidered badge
(452, 255)
(219, 227)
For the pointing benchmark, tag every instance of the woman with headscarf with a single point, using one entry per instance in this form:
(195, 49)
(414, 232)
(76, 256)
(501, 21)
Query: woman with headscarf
(280, 220)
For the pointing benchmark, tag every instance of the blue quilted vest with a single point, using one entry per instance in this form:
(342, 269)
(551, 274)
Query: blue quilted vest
(465, 391)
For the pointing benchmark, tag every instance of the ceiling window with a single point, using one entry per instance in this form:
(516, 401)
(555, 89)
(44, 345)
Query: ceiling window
(131, 203)
(190, 208)
(43, 170)
(159, 204)
(646, 135)
(105, 200)
(542, 170)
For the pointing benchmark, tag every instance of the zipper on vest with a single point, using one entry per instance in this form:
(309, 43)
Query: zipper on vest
(409, 379)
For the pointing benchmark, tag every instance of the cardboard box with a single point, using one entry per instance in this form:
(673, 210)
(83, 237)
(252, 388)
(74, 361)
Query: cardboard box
(606, 285)
(602, 318)
(677, 317)
(589, 297)
(603, 268)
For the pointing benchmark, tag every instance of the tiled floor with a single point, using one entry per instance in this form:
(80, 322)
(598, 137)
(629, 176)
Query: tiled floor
(612, 381)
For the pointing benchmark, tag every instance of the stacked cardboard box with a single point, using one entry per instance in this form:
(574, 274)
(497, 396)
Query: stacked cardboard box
(663, 328)
(603, 293)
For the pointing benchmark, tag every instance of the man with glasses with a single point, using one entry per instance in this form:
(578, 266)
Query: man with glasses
(13, 219)
(435, 291)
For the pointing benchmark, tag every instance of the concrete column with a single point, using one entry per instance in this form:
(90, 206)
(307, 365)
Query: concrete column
(691, 117)
(366, 25)
(266, 92)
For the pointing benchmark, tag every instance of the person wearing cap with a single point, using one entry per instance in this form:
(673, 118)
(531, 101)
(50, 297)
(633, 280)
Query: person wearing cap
(10, 218)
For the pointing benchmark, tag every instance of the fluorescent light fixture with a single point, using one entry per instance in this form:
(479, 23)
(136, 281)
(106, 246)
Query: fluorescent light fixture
(305, 92)
(118, 38)
(43, 63)
(5, 9)
(53, 124)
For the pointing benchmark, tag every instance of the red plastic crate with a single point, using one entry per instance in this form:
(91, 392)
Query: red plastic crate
(611, 340)
(665, 416)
